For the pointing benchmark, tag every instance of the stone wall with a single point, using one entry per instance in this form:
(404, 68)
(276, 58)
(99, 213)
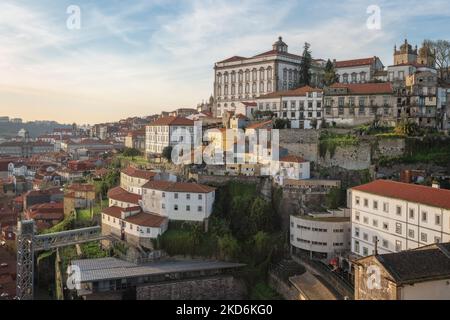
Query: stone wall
(305, 143)
(287, 291)
(214, 288)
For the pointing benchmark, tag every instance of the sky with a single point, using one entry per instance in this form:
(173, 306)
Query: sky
(139, 57)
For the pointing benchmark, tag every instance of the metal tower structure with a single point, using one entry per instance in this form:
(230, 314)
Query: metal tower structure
(28, 243)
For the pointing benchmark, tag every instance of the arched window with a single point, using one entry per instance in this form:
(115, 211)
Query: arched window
(240, 89)
(233, 89)
(241, 76)
(247, 75)
(254, 74)
(284, 74)
(219, 78)
(290, 74)
(247, 88)
(269, 86)
(226, 90)
(219, 90)
(254, 87)
(261, 74)
(225, 77)
(261, 86)
(269, 73)
(233, 77)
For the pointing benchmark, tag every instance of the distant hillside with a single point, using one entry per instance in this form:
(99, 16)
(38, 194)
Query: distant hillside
(35, 128)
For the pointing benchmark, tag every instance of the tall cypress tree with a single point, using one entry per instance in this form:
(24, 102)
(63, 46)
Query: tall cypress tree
(305, 66)
(330, 75)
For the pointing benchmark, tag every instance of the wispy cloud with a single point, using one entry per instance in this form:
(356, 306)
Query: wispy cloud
(142, 56)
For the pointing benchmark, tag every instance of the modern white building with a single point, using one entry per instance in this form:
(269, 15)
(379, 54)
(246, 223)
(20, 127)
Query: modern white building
(178, 200)
(322, 235)
(168, 131)
(302, 106)
(397, 216)
(238, 79)
(358, 70)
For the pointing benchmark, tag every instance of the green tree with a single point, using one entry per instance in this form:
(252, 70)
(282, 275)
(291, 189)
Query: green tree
(330, 75)
(335, 198)
(305, 66)
(280, 123)
(407, 128)
(261, 217)
(228, 247)
(131, 152)
(167, 153)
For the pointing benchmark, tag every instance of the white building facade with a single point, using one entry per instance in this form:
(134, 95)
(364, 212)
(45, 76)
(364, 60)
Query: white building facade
(238, 79)
(178, 200)
(322, 236)
(168, 131)
(397, 216)
(302, 106)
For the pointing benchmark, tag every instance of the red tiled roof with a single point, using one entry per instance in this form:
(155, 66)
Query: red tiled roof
(147, 220)
(232, 59)
(275, 52)
(137, 173)
(81, 187)
(259, 125)
(178, 186)
(365, 88)
(355, 62)
(122, 195)
(302, 91)
(249, 104)
(172, 121)
(434, 197)
(141, 219)
(291, 158)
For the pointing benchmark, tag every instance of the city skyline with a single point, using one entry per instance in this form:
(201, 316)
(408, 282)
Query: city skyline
(151, 56)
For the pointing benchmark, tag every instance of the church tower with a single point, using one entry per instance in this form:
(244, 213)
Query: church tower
(426, 56)
(406, 54)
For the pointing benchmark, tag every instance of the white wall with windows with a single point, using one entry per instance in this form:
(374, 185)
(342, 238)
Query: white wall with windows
(327, 235)
(187, 206)
(396, 224)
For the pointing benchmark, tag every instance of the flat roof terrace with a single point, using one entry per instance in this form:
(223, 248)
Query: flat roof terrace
(102, 269)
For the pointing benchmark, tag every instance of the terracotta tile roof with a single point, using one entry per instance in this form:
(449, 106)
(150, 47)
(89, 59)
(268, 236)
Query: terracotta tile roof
(141, 219)
(137, 173)
(46, 211)
(434, 197)
(365, 88)
(172, 121)
(355, 62)
(147, 220)
(260, 125)
(81, 187)
(232, 59)
(292, 158)
(249, 104)
(291, 93)
(122, 195)
(178, 187)
(275, 52)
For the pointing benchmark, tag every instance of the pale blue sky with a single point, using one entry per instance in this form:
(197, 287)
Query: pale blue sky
(139, 57)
